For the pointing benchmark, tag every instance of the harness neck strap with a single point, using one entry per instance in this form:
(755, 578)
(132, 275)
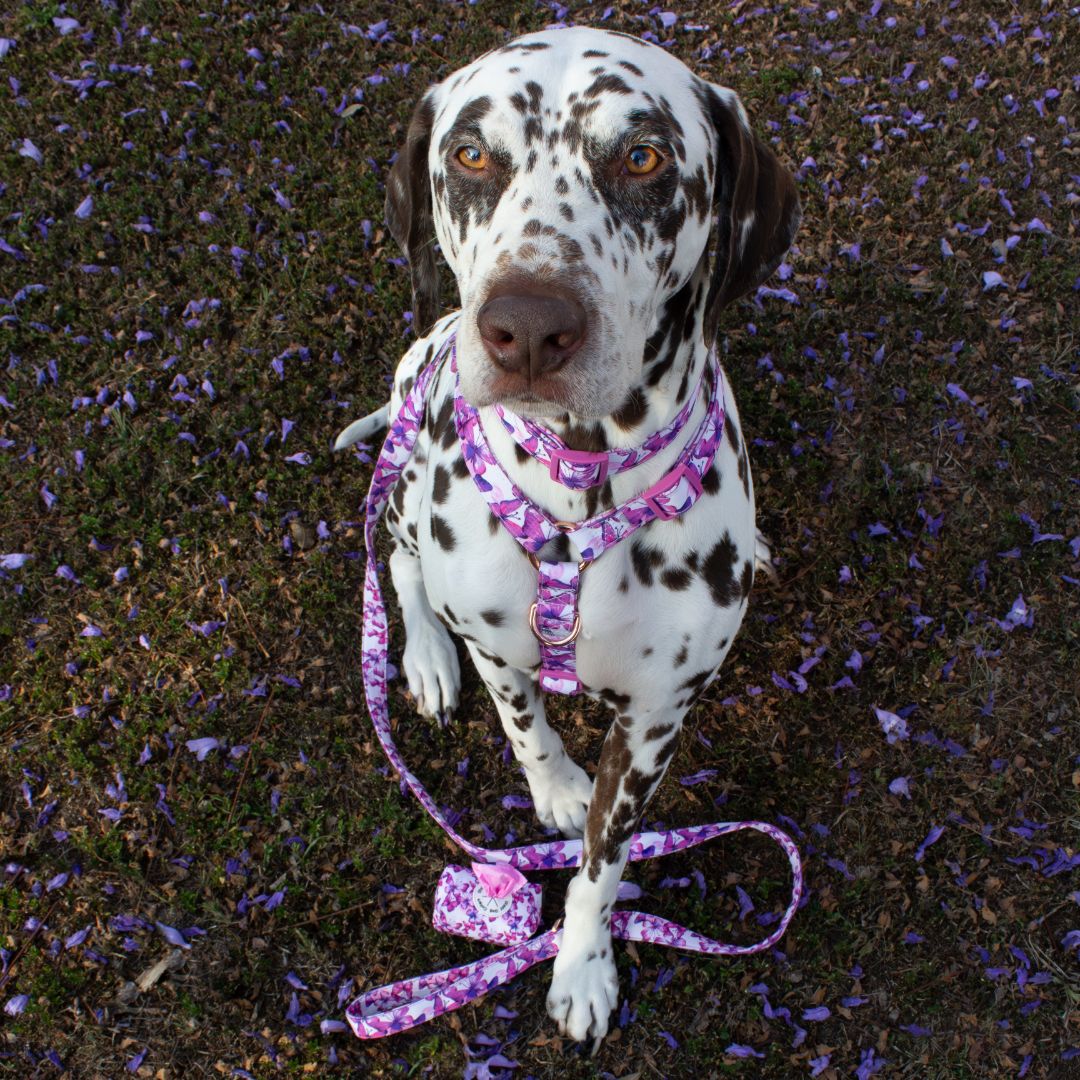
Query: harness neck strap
(583, 469)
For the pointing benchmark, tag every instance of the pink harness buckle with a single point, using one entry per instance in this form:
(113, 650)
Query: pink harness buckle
(668, 498)
(578, 460)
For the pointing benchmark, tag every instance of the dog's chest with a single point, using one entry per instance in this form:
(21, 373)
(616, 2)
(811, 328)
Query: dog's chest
(657, 609)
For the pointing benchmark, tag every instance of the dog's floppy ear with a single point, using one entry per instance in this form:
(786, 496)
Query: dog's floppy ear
(756, 201)
(409, 215)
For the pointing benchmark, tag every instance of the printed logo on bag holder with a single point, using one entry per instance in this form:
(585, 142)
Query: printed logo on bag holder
(489, 906)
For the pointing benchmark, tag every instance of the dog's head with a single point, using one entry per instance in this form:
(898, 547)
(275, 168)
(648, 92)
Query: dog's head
(572, 178)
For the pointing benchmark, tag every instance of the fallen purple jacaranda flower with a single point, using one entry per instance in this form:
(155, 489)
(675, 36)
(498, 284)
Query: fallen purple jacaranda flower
(740, 1050)
(201, 747)
(932, 837)
(172, 935)
(894, 727)
(29, 150)
(1018, 615)
(899, 786)
(697, 778)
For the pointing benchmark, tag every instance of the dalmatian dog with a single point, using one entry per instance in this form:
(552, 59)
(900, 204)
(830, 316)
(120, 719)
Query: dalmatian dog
(599, 204)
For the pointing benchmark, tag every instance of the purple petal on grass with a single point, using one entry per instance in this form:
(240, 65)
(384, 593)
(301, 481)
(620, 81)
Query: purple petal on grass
(134, 1064)
(57, 882)
(15, 1005)
(14, 561)
(28, 149)
(892, 725)
(1071, 940)
(65, 25)
(172, 935)
(899, 786)
(697, 778)
(76, 939)
(740, 1050)
(303, 458)
(746, 905)
(516, 802)
(669, 1039)
(993, 280)
(201, 747)
(85, 208)
(818, 1013)
(916, 1030)
(932, 837)
(628, 891)
(90, 630)
(819, 1064)
(328, 1027)
(1018, 615)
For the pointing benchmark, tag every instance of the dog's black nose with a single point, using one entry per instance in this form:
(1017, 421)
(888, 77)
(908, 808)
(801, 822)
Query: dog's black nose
(531, 333)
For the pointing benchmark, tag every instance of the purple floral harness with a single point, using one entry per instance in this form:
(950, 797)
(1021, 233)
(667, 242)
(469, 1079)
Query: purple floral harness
(494, 901)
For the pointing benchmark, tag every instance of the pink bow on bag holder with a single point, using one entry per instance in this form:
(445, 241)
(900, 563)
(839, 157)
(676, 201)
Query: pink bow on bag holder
(493, 901)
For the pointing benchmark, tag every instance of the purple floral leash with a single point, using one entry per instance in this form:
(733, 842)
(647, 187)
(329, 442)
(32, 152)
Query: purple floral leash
(402, 1005)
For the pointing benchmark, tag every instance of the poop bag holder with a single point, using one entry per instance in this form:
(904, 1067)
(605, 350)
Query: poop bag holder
(487, 903)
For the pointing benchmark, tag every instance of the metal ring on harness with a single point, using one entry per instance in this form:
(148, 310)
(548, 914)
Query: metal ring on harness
(572, 636)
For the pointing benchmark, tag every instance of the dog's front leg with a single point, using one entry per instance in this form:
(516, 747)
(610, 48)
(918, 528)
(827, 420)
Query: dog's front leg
(430, 660)
(561, 789)
(584, 985)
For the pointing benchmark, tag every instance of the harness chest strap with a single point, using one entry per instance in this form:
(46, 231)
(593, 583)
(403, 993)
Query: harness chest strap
(404, 1004)
(554, 617)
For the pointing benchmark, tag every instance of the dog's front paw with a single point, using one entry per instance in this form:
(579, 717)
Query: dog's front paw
(431, 668)
(584, 990)
(561, 796)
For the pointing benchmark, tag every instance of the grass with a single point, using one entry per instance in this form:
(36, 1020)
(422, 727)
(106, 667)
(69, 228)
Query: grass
(906, 520)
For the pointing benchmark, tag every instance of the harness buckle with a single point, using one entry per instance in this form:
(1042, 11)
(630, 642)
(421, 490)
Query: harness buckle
(673, 494)
(572, 636)
(576, 459)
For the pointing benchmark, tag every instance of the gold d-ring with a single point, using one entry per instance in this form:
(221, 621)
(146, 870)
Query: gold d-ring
(547, 641)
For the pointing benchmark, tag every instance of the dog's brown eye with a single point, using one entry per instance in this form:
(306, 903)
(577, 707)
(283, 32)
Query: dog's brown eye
(472, 157)
(642, 160)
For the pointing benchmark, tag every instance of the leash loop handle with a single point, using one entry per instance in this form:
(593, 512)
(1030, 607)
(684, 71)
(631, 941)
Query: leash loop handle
(402, 1005)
